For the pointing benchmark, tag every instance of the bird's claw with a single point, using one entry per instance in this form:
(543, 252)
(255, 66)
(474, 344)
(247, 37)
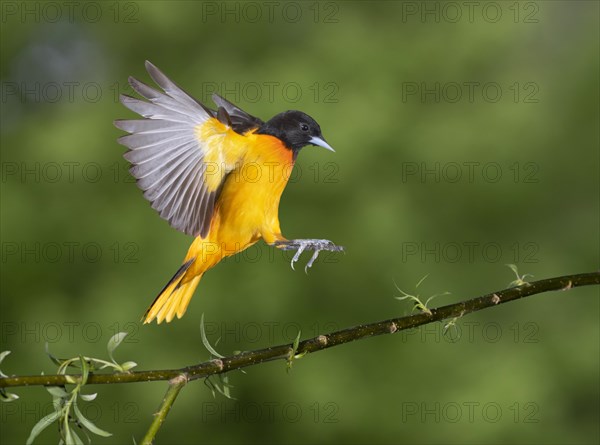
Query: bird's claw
(316, 245)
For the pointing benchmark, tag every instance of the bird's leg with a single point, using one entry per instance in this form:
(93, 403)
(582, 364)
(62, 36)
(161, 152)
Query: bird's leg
(300, 245)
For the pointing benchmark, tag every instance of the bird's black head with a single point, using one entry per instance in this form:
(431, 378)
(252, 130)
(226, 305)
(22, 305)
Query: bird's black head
(296, 129)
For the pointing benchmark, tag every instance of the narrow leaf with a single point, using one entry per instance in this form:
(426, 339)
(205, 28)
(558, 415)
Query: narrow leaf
(42, 424)
(128, 365)
(292, 356)
(89, 424)
(55, 360)
(85, 370)
(296, 343)
(72, 437)
(57, 391)
(210, 386)
(226, 386)
(513, 267)
(421, 281)
(114, 343)
(7, 397)
(3, 354)
(205, 340)
(88, 397)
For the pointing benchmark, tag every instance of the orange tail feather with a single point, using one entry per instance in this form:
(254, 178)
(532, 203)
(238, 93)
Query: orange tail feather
(176, 295)
(174, 298)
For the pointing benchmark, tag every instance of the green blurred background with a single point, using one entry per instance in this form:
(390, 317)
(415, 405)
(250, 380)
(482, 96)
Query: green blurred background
(466, 137)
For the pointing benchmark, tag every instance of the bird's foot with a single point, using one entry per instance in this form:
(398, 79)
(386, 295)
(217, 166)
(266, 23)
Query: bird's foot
(300, 245)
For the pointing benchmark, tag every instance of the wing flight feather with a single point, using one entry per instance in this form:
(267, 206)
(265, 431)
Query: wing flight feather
(167, 154)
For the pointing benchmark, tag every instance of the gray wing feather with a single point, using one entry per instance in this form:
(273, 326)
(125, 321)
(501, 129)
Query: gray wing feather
(166, 156)
(172, 186)
(147, 126)
(171, 89)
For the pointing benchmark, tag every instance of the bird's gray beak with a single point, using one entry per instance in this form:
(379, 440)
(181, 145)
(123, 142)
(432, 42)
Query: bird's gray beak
(321, 143)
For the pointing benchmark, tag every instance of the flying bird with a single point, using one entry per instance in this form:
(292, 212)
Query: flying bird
(216, 175)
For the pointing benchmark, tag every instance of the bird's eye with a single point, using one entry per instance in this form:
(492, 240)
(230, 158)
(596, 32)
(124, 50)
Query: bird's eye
(304, 127)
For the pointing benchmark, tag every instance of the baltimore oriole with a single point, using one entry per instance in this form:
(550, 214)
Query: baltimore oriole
(215, 175)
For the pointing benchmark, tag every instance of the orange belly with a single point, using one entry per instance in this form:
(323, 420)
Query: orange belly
(247, 207)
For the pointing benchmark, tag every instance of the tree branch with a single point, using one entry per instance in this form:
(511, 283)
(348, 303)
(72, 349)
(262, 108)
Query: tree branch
(321, 342)
(175, 385)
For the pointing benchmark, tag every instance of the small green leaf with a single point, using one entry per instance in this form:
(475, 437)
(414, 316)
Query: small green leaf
(2, 355)
(451, 329)
(78, 441)
(224, 390)
(85, 370)
(64, 366)
(114, 343)
(7, 397)
(514, 268)
(443, 294)
(416, 299)
(421, 280)
(520, 281)
(57, 391)
(57, 403)
(88, 397)
(89, 424)
(210, 386)
(71, 379)
(205, 340)
(128, 365)
(296, 343)
(42, 424)
(54, 359)
(226, 386)
(292, 355)
(105, 365)
(71, 436)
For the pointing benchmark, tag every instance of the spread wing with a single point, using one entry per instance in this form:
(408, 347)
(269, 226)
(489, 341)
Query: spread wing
(182, 151)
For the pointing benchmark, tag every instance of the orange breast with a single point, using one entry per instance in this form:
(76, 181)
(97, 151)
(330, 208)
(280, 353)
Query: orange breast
(248, 206)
